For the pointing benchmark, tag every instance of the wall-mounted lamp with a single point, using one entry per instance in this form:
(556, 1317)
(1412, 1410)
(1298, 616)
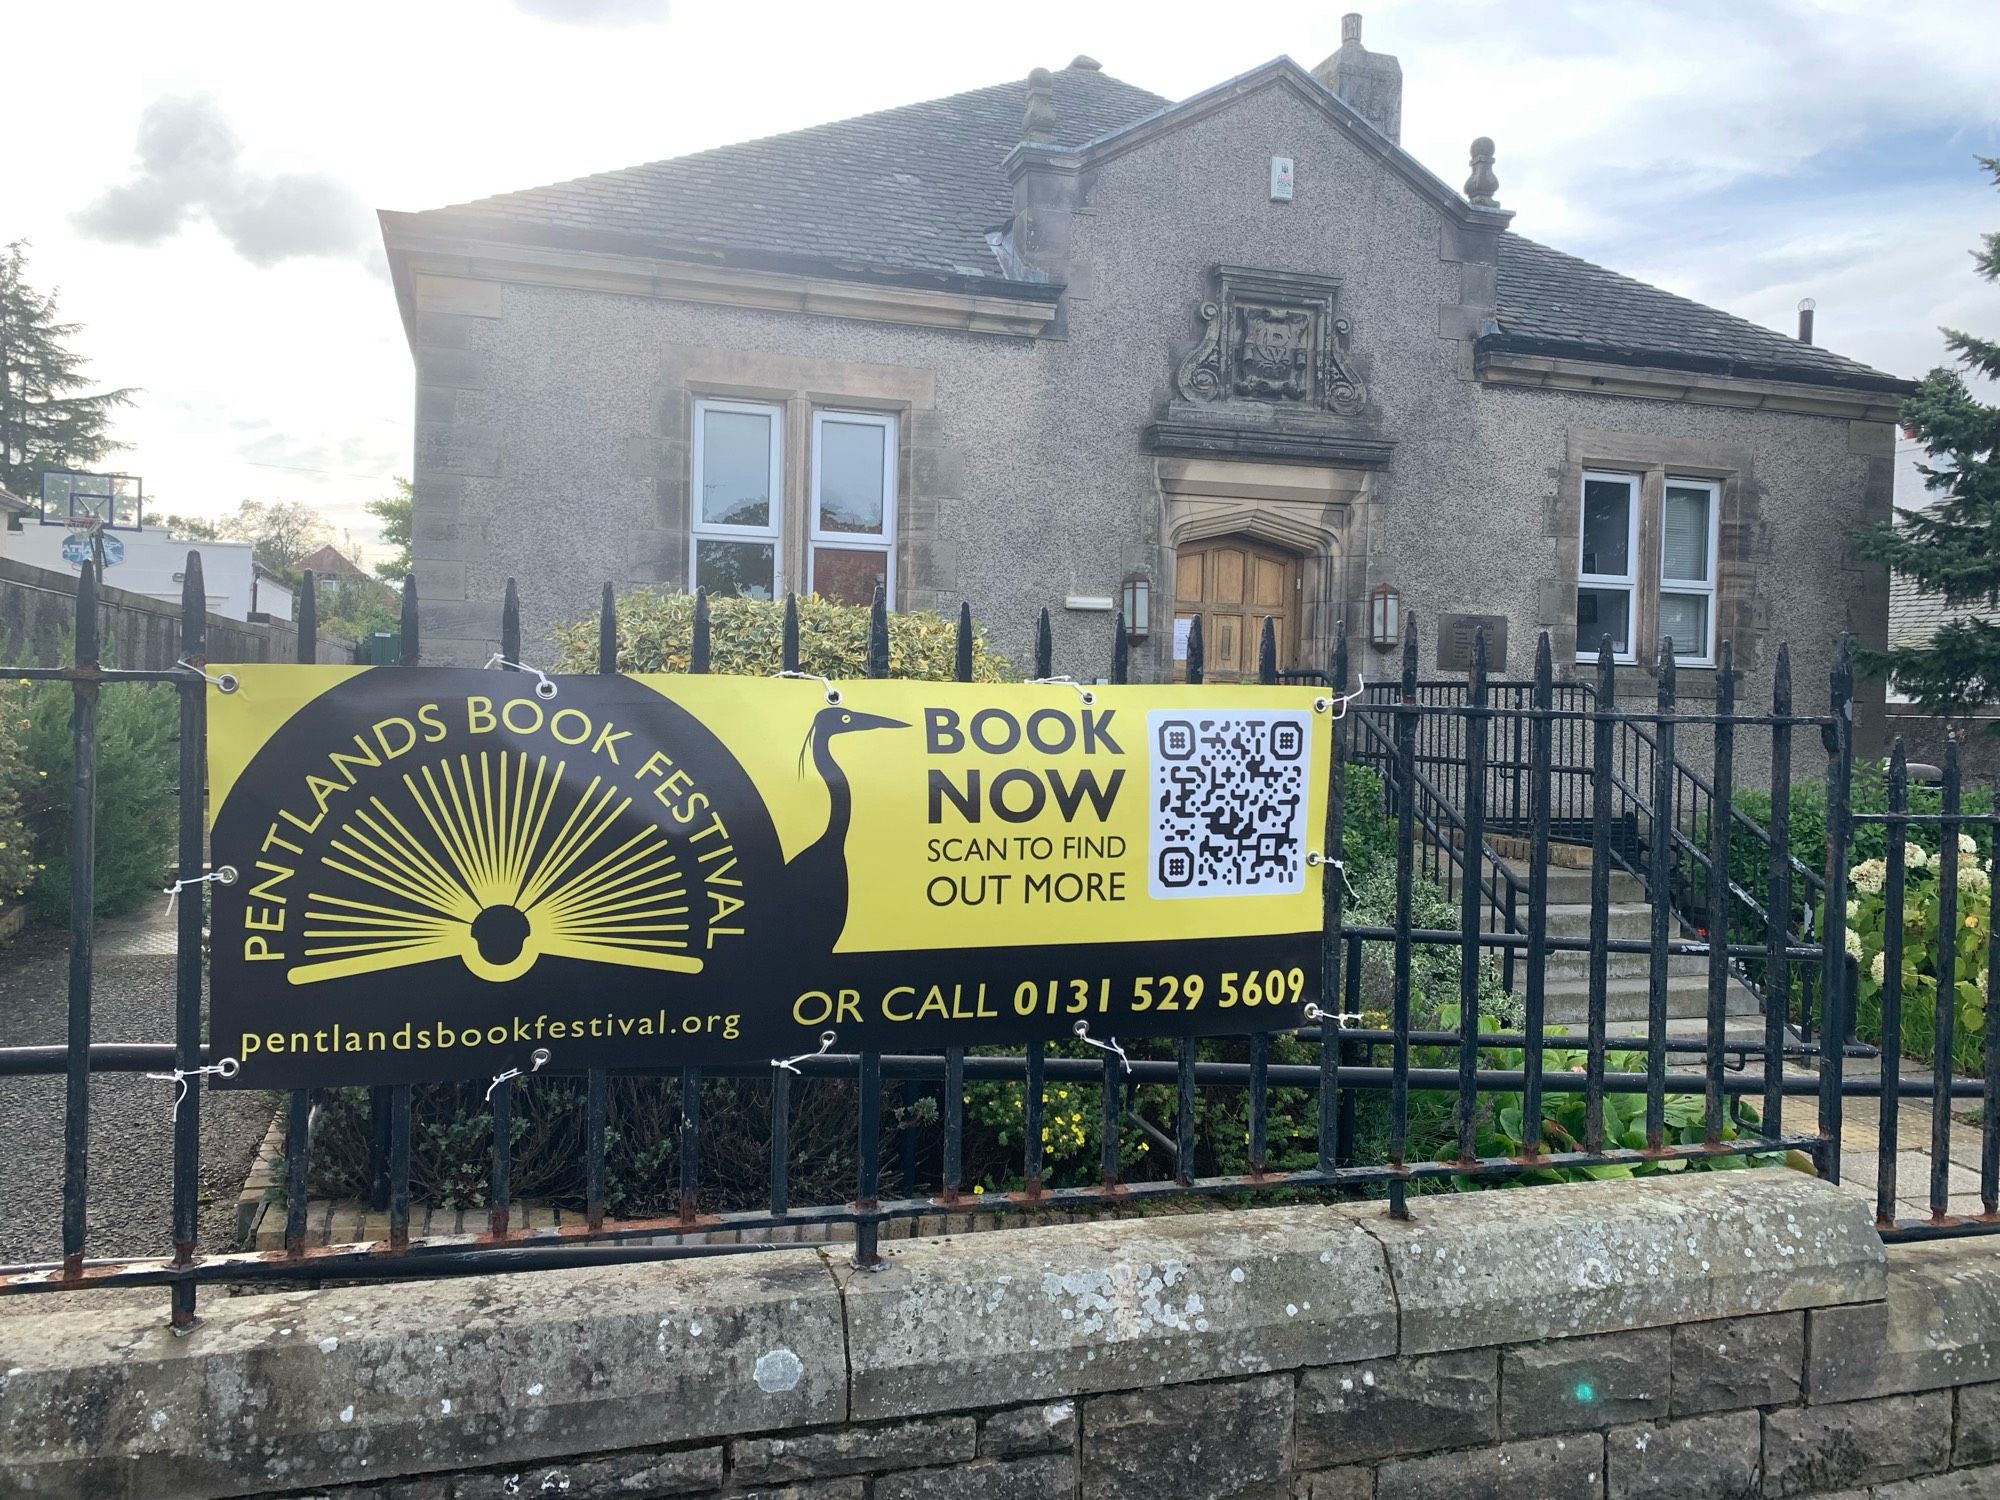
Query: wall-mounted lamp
(1136, 606)
(1385, 617)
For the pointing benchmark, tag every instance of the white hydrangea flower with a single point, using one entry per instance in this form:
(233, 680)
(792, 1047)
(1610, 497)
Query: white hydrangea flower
(1869, 875)
(1853, 942)
(1877, 968)
(1966, 845)
(1853, 910)
(1972, 878)
(1914, 856)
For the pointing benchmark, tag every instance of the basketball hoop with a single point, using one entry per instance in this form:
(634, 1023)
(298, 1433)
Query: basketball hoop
(82, 523)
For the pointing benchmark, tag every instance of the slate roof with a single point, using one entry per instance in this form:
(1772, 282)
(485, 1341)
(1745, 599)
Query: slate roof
(911, 194)
(1545, 297)
(910, 189)
(329, 562)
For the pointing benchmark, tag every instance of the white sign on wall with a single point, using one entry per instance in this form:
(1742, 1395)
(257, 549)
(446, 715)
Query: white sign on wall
(1182, 625)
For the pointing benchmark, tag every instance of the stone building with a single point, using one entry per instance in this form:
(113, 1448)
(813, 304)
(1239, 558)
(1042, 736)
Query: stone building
(1062, 342)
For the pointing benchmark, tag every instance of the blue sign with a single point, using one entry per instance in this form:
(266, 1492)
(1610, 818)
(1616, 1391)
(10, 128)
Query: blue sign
(77, 550)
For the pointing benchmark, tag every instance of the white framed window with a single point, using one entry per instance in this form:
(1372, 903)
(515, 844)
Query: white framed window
(736, 511)
(1688, 531)
(1607, 578)
(851, 506)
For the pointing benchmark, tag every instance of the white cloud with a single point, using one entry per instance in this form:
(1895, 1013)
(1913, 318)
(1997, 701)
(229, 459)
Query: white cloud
(189, 166)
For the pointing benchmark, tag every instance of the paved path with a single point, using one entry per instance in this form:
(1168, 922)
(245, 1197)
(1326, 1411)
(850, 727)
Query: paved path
(131, 1141)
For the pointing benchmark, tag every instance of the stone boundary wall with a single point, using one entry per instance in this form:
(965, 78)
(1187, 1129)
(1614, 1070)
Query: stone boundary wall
(1712, 1336)
(141, 633)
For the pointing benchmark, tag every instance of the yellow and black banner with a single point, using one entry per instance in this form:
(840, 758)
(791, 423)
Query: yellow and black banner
(439, 871)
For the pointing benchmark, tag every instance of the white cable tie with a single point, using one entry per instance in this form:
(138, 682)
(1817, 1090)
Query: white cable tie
(832, 696)
(1082, 692)
(228, 1067)
(1082, 1030)
(1314, 1015)
(1315, 858)
(1324, 703)
(545, 685)
(227, 682)
(790, 1064)
(221, 875)
(538, 1060)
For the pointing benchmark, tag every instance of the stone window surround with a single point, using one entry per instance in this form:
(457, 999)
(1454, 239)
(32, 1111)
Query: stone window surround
(1647, 567)
(797, 403)
(1736, 555)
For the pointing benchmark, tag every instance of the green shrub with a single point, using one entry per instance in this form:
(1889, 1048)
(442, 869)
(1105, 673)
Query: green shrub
(655, 629)
(17, 854)
(1867, 928)
(137, 764)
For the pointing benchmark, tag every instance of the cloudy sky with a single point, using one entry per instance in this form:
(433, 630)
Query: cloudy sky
(199, 180)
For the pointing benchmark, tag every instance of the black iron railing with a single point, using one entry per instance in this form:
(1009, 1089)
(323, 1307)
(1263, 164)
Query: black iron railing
(1536, 758)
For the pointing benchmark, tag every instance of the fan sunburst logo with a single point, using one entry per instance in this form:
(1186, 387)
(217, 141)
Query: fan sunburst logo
(497, 860)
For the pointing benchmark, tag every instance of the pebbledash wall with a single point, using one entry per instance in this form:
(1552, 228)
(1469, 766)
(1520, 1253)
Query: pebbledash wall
(555, 392)
(1710, 1336)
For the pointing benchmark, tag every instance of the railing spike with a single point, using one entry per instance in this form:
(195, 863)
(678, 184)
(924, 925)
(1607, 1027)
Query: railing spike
(510, 623)
(308, 620)
(607, 630)
(788, 641)
(701, 644)
(1121, 649)
(410, 640)
(962, 655)
(1045, 646)
(878, 633)
(1196, 665)
(1267, 651)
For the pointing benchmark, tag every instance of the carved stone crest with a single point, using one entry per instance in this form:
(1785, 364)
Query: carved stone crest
(1272, 336)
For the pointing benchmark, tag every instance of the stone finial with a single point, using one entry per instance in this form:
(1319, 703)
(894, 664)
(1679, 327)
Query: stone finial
(1084, 63)
(1482, 185)
(1350, 27)
(1038, 121)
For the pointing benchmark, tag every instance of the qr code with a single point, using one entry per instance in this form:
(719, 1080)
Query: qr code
(1229, 802)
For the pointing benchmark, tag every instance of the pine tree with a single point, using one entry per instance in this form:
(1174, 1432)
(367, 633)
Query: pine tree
(1951, 549)
(46, 422)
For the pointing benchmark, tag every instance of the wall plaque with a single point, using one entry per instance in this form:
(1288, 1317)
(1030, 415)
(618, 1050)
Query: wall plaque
(1454, 638)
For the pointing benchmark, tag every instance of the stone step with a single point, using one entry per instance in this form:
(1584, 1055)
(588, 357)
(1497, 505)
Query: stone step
(1574, 964)
(1567, 1000)
(1628, 919)
(1572, 886)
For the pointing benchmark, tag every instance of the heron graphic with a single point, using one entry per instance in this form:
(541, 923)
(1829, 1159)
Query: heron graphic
(817, 875)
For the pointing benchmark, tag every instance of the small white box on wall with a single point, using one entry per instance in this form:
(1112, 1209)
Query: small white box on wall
(1281, 179)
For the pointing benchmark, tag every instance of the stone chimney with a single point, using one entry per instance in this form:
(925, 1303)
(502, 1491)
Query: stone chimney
(1369, 82)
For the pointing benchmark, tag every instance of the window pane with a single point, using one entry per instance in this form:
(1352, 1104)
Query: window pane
(1607, 527)
(736, 468)
(1602, 612)
(725, 568)
(851, 472)
(849, 577)
(1684, 545)
(1684, 620)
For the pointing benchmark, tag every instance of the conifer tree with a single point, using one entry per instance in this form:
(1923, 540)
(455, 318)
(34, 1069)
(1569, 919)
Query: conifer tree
(47, 420)
(1951, 549)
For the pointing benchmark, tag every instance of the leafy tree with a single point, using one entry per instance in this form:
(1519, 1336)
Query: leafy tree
(47, 421)
(394, 512)
(280, 532)
(193, 529)
(364, 607)
(1952, 548)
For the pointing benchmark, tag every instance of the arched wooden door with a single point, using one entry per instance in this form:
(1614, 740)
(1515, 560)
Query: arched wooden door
(1234, 585)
